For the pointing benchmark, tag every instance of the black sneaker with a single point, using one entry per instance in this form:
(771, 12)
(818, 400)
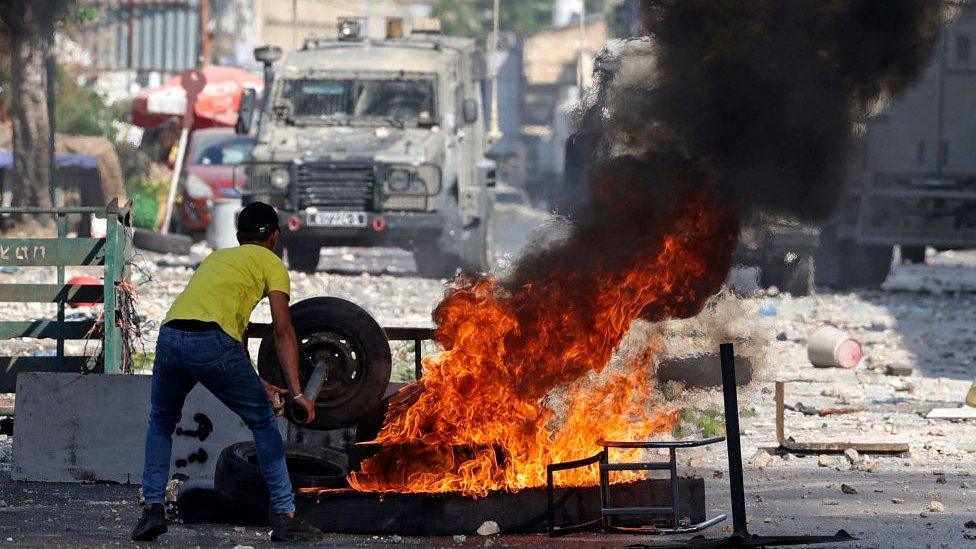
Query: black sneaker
(152, 524)
(287, 528)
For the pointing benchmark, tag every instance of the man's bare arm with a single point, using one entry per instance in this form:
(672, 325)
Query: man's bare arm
(287, 347)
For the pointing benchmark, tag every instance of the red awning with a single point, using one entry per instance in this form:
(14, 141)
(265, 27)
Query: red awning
(215, 93)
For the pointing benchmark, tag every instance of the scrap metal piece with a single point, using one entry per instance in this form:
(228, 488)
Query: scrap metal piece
(793, 446)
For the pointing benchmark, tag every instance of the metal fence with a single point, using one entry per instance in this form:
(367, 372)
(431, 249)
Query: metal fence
(143, 35)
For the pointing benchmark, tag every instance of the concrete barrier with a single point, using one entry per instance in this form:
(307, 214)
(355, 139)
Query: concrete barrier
(92, 428)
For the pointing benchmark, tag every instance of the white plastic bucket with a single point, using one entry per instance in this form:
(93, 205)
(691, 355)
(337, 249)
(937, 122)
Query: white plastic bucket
(222, 231)
(831, 347)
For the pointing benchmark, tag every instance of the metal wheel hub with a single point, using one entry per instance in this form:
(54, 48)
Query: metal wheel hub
(343, 362)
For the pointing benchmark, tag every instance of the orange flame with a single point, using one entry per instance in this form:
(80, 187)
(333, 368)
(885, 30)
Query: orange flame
(483, 417)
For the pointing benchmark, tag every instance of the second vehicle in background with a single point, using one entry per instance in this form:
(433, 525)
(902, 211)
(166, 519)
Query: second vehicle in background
(209, 175)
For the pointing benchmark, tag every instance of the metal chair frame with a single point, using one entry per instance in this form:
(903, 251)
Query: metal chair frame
(607, 511)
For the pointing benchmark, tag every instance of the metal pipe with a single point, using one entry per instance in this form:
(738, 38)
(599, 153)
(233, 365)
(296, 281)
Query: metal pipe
(736, 487)
(311, 391)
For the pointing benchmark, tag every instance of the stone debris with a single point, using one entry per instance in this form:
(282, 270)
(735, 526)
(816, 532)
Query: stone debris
(460, 539)
(173, 489)
(826, 461)
(848, 489)
(898, 370)
(897, 501)
(936, 507)
(852, 456)
(970, 524)
(762, 459)
(488, 528)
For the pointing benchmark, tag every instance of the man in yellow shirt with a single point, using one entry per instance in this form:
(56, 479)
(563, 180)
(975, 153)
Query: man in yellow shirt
(201, 342)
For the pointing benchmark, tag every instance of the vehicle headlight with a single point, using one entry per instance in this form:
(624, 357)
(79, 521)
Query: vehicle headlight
(197, 188)
(399, 180)
(280, 178)
(412, 180)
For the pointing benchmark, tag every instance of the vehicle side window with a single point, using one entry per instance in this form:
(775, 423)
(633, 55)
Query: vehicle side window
(962, 48)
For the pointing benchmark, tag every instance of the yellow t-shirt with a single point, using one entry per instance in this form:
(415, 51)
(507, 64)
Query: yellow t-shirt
(228, 285)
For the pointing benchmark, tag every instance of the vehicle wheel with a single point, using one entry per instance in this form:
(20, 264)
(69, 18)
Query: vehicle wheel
(354, 349)
(913, 254)
(433, 263)
(238, 475)
(771, 272)
(865, 266)
(163, 243)
(843, 264)
(303, 258)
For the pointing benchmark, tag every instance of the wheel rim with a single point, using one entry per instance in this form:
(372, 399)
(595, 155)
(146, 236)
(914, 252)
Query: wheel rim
(345, 362)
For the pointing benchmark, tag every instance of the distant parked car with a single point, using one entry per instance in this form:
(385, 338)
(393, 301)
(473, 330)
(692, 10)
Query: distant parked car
(209, 174)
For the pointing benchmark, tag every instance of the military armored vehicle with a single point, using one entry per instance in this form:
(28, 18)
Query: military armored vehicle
(365, 142)
(913, 175)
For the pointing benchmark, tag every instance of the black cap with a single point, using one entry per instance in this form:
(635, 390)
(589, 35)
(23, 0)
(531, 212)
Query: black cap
(257, 219)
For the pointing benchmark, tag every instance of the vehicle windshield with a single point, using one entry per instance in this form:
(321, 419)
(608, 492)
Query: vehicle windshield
(388, 99)
(221, 150)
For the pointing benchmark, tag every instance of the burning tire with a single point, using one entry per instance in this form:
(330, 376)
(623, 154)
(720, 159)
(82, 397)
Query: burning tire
(353, 348)
(238, 476)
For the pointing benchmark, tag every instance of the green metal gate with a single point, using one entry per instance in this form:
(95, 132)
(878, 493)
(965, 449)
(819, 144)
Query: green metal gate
(61, 252)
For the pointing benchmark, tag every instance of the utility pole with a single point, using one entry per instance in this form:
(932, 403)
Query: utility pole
(206, 50)
(294, 24)
(366, 13)
(494, 131)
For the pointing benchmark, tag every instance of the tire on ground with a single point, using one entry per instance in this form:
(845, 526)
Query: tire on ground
(198, 502)
(340, 404)
(238, 476)
(163, 243)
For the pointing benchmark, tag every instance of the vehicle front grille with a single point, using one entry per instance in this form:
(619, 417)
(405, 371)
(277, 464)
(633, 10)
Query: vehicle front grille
(337, 186)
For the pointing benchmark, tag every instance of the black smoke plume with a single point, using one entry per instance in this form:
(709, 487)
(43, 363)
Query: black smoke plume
(752, 101)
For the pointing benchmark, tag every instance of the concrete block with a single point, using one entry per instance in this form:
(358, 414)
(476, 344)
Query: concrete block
(88, 428)
(702, 371)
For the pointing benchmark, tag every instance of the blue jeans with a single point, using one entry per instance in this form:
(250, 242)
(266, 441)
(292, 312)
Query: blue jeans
(221, 364)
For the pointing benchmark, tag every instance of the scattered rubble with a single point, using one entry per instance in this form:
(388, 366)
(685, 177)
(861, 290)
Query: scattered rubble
(848, 489)
(488, 528)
